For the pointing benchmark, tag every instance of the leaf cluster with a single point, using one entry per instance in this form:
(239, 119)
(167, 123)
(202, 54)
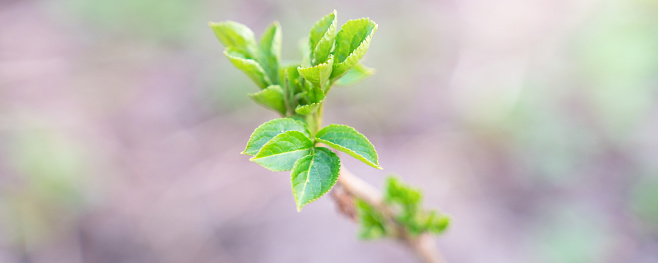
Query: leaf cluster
(286, 144)
(298, 89)
(409, 215)
(297, 92)
(295, 142)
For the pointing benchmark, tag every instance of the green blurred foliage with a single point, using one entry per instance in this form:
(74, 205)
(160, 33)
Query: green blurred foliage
(52, 185)
(53, 167)
(552, 144)
(618, 54)
(412, 215)
(144, 19)
(568, 117)
(407, 203)
(372, 223)
(569, 234)
(644, 201)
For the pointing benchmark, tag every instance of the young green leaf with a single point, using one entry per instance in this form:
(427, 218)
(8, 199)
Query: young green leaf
(356, 74)
(271, 97)
(314, 175)
(373, 223)
(253, 70)
(411, 215)
(315, 94)
(436, 223)
(352, 43)
(292, 77)
(318, 75)
(397, 192)
(235, 35)
(267, 131)
(346, 139)
(321, 38)
(270, 48)
(281, 153)
(315, 97)
(307, 109)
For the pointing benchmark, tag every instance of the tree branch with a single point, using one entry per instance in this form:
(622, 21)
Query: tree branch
(423, 246)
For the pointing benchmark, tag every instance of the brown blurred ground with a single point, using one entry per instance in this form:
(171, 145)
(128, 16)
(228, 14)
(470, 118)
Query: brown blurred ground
(533, 123)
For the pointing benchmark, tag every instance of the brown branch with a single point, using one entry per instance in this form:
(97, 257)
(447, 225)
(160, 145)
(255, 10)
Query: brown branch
(423, 246)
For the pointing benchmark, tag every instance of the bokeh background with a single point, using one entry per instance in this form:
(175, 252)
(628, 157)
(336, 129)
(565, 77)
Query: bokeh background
(534, 124)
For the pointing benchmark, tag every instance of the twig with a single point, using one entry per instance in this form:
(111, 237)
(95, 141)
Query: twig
(423, 246)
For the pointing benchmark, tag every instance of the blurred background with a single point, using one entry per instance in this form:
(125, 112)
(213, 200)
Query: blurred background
(534, 124)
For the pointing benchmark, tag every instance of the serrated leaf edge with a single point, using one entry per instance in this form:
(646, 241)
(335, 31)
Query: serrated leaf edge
(299, 206)
(253, 159)
(333, 183)
(301, 107)
(363, 45)
(327, 35)
(277, 33)
(348, 151)
(306, 132)
(254, 94)
(312, 49)
(273, 50)
(212, 24)
(329, 63)
(267, 80)
(374, 29)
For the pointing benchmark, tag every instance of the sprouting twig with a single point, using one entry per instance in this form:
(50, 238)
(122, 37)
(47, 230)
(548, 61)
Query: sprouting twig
(423, 245)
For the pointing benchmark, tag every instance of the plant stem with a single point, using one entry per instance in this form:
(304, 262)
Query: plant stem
(423, 246)
(318, 117)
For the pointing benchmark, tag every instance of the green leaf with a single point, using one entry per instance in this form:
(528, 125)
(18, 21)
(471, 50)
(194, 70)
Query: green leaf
(373, 223)
(346, 139)
(267, 131)
(410, 214)
(307, 109)
(318, 75)
(315, 94)
(270, 48)
(356, 74)
(281, 153)
(315, 97)
(249, 66)
(321, 39)
(293, 77)
(271, 97)
(314, 175)
(352, 43)
(235, 35)
(437, 223)
(397, 192)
